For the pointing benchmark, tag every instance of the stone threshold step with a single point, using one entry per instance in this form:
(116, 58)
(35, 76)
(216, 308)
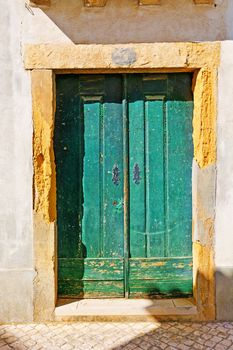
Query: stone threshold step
(125, 309)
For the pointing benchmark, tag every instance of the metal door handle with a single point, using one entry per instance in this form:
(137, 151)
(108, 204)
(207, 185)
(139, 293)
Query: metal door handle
(115, 174)
(136, 174)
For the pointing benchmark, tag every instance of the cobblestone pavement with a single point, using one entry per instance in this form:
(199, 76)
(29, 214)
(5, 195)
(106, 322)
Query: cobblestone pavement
(116, 336)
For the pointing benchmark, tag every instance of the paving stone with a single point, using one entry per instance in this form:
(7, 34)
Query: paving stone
(220, 347)
(226, 342)
(183, 347)
(200, 347)
(118, 336)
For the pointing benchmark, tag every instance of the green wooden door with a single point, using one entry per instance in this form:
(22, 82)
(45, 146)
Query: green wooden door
(160, 168)
(123, 148)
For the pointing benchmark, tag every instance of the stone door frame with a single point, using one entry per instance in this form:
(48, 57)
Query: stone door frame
(44, 61)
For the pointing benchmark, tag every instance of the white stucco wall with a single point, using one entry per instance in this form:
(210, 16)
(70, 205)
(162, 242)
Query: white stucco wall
(123, 21)
(224, 209)
(15, 170)
(120, 22)
(224, 198)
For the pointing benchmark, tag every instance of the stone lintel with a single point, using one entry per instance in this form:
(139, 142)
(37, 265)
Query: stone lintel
(133, 56)
(102, 3)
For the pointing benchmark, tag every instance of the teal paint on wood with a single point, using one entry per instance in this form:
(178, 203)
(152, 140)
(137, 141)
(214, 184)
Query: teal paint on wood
(160, 289)
(116, 136)
(137, 188)
(85, 185)
(91, 269)
(90, 289)
(67, 145)
(113, 186)
(161, 268)
(179, 174)
(155, 214)
(92, 223)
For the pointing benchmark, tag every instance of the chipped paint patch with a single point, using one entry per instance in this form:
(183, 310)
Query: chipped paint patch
(159, 263)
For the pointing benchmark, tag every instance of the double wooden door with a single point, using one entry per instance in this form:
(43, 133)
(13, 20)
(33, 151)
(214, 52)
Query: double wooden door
(123, 150)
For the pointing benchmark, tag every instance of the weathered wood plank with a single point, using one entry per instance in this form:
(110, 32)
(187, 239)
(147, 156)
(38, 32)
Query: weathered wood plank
(91, 269)
(162, 289)
(91, 289)
(137, 220)
(179, 156)
(161, 269)
(92, 177)
(113, 177)
(68, 139)
(154, 154)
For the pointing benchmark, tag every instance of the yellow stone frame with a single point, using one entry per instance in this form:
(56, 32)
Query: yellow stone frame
(45, 61)
(102, 3)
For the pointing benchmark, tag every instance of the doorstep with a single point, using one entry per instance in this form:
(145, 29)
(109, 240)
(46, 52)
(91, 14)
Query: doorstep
(108, 310)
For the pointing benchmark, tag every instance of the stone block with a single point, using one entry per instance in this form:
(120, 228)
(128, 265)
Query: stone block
(95, 3)
(204, 2)
(35, 3)
(149, 2)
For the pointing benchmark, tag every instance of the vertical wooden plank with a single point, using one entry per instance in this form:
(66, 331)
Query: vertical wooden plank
(179, 170)
(92, 177)
(126, 185)
(136, 167)
(67, 139)
(154, 153)
(113, 176)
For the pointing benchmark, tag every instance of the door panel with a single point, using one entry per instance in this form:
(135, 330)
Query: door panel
(98, 218)
(179, 175)
(160, 143)
(95, 233)
(68, 141)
